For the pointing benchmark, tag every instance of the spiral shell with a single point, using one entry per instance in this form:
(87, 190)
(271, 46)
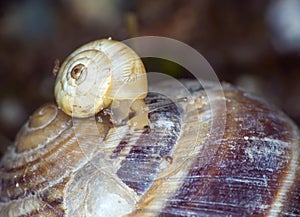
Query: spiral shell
(96, 74)
(179, 167)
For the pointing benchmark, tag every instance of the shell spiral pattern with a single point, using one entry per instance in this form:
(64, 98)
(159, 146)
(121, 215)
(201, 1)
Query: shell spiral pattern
(96, 74)
(171, 169)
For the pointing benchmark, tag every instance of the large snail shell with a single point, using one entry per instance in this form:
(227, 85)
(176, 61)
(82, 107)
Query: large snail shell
(97, 73)
(59, 167)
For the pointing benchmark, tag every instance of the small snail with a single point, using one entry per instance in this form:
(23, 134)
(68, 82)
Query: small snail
(181, 167)
(99, 73)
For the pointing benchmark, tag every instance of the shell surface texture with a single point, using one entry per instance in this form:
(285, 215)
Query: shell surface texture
(195, 159)
(179, 167)
(98, 73)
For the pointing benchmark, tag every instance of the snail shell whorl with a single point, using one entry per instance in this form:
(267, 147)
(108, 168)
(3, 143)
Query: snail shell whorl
(171, 170)
(46, 152)
(97, 73)
(42, 127)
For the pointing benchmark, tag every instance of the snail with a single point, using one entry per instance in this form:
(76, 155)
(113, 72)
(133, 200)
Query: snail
(99, 73)
(180, 167)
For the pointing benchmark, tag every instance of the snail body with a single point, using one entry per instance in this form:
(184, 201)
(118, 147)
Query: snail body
(180, 167)
(98, 73)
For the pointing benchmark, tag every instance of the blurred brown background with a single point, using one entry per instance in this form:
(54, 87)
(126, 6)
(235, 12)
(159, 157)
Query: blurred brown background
(254, 44)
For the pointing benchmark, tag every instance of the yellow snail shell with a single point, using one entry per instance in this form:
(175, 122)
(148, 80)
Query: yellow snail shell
(96, 74)
(180, 167)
